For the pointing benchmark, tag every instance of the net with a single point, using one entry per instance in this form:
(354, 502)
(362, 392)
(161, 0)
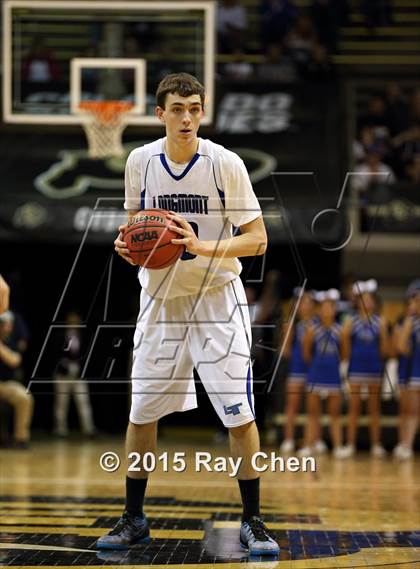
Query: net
(104, 124)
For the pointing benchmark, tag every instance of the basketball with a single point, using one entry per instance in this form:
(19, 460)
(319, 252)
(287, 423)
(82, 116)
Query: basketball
(149, 240)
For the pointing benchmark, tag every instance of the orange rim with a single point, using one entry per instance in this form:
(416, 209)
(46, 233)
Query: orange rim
(106, 111)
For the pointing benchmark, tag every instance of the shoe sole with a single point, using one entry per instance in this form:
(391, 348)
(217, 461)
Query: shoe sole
(261, 551)
(115, 546)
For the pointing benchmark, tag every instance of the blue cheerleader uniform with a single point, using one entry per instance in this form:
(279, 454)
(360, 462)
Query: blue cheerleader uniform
(298, 368)
(414, 381)
(324, 371)
(366, 365)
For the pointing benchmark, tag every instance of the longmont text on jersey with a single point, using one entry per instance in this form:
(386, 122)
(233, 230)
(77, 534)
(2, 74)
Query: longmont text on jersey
(182, 203)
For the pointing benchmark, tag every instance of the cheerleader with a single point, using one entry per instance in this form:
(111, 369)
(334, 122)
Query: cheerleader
(321, 351)
(404, 367)
(365, 342)
(409, 345)
(298, 369)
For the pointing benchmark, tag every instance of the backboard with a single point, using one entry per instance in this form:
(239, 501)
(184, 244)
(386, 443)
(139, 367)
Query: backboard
(41, 39)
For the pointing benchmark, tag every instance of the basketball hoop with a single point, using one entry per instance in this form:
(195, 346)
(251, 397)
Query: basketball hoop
(104, 125)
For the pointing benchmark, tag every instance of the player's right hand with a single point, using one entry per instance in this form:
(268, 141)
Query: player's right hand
(121, 246)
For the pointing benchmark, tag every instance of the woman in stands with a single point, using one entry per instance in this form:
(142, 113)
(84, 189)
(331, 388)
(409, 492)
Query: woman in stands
(298, 369)
(321, 350)
(366, 344)
(409, 345)
(404, 369)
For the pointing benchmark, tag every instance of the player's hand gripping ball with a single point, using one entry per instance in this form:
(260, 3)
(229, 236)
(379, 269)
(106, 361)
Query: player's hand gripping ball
(149, 239)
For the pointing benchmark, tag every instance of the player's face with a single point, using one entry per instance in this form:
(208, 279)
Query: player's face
(181, 116)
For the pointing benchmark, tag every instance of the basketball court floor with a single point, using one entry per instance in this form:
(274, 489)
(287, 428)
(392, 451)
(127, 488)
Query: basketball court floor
(56, 501)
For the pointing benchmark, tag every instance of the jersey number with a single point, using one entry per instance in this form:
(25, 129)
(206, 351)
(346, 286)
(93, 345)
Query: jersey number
(188, 256)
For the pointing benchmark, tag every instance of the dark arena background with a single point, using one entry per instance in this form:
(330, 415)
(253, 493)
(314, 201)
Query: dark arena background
(321, 100)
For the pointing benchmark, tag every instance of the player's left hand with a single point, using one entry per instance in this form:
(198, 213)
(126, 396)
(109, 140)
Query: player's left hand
(188, 238)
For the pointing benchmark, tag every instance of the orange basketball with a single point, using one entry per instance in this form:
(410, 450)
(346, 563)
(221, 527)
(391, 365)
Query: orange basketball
(149, 239)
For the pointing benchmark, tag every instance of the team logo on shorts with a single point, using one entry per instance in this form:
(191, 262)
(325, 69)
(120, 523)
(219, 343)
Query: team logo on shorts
(232, 410)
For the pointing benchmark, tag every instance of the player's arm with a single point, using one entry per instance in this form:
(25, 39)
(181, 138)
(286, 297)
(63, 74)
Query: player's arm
(11, 358)
(251, 242)
(404, 339)
(4, 295)
(132, 184)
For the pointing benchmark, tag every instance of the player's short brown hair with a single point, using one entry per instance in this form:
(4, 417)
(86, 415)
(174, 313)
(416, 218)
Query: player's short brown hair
(183, 84)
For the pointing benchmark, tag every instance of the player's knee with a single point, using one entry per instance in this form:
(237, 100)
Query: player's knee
(143, 426)
(242, 429)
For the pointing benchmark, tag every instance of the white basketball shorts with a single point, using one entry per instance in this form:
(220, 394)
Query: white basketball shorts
(209, 331)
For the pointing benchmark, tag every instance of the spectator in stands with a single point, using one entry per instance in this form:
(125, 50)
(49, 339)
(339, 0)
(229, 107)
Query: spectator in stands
(372, 172)
(68, 381)
(238, 68)
(328, 16)
(365, 140)
(301, 40)
(377, 13)
(309, 55)
(376, 117)
(278, 66)
(11, 390)
(40, 66)
(4, 295)
(277, 17)
(231, 25)
(413, 170)
(397, 112)
(407, 148)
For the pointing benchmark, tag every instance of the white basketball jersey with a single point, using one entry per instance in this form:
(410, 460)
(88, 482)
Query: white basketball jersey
(212, 192)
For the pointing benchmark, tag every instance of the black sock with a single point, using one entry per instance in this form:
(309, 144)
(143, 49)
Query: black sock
(134, 495)
(250, 492)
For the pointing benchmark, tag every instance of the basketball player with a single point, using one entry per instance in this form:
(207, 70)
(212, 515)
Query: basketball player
(194, 313)
(366, 344)
(298, 370)
(410, 345)
(321, 351)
